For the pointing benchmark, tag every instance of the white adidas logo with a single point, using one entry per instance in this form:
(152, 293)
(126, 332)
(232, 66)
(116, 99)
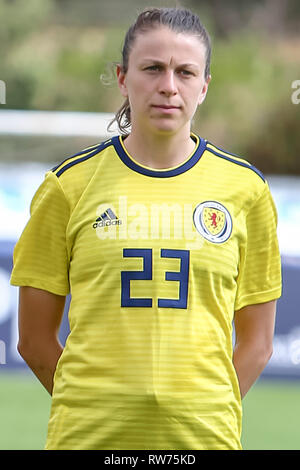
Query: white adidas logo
(107, 218)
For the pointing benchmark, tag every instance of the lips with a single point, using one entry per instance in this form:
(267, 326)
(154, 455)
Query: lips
(165, 106)
(166, 109)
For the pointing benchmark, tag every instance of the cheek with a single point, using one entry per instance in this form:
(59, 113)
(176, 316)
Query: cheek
(193, 98)
(136, 97)
(135, 88)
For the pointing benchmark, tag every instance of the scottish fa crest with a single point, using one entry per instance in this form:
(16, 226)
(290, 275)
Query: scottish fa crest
(213, 221)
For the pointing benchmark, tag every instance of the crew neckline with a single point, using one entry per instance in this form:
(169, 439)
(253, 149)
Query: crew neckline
(129, 161)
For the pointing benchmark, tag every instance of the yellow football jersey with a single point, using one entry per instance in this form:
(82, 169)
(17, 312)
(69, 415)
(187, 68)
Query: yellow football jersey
(156, 262)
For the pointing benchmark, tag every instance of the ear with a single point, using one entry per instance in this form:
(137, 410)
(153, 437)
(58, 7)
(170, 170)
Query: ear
(121, 81)
(203, 93)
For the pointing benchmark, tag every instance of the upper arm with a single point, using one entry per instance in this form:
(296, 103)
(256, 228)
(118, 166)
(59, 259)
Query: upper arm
(41, 255)
(259, 279)
(40, 315)
(255, 324)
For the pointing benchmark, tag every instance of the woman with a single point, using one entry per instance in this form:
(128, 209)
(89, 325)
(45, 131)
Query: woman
(163, 240)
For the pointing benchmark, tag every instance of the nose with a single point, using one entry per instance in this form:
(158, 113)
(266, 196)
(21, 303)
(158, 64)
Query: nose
(167, 84)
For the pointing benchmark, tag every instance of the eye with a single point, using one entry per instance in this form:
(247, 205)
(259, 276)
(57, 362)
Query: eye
(186, 73)
(153, 68)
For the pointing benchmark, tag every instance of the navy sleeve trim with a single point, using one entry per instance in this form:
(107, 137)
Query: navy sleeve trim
(237, 162)
(86, 154)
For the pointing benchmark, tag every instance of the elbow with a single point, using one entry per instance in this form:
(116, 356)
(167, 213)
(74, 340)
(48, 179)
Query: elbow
(255, 355)
(264, 355)
(24, 349)
(28, 350)
(269, 353)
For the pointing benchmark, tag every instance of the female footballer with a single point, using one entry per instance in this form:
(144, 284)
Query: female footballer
(164, 241)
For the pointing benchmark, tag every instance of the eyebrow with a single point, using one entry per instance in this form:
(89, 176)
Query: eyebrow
(160, 62)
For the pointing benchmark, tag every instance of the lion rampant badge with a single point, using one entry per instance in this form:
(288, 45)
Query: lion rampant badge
(213, 221)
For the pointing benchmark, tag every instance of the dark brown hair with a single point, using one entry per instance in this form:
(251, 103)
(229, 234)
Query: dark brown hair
(179, 20)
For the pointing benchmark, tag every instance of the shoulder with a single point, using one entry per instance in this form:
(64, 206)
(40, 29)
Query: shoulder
(243, 183)
(236, 163)
(84, 159)
(71, 177)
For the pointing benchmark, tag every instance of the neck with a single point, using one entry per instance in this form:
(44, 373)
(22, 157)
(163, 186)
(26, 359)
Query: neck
(161, 151)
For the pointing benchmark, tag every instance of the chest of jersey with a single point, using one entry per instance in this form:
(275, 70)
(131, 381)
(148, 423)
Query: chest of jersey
(154, 241)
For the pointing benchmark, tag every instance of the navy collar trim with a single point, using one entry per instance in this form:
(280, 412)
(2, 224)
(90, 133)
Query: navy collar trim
(117, 141)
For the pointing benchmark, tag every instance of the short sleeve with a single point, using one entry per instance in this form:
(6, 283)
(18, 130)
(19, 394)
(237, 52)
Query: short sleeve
(259, 278)
(40, 256)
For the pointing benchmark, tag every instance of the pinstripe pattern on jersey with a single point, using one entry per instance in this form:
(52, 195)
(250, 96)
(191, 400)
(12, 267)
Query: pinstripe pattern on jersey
(233, 158)
(148, 361)
(83, 155)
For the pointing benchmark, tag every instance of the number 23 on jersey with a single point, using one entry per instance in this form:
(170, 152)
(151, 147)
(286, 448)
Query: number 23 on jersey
(181, 276)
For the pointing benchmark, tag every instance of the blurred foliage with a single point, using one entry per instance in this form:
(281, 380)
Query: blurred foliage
(53, 53)
(248, 108)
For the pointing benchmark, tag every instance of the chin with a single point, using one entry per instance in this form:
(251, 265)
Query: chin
(166, 128)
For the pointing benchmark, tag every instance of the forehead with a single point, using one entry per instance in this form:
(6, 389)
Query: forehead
(163, 44)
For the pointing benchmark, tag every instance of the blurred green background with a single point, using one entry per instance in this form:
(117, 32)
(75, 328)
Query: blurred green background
(270, 421)
(53, 54)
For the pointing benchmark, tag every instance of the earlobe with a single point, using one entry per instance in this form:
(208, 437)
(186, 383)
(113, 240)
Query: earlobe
(121, 81)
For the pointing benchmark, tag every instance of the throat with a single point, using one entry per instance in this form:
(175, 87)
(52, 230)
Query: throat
(161, 154)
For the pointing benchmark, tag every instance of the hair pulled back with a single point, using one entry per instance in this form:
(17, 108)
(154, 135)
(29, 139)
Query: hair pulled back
(179, 20)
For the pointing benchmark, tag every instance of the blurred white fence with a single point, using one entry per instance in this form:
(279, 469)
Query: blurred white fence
(54, 123)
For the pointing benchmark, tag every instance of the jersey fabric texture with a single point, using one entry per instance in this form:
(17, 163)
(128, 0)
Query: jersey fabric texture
(156, 262)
